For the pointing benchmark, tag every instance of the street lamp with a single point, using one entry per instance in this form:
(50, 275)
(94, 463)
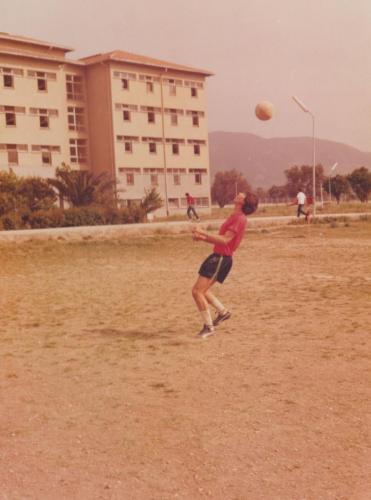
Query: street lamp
(164, 143)
(329, 179)
(303, 107)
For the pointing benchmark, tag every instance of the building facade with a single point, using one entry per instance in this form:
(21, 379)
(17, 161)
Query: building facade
(141, 120)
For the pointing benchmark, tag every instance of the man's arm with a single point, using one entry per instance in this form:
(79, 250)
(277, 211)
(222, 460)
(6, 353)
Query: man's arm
(201, 235)
(294, 202)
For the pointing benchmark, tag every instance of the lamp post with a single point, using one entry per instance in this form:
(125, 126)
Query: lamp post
(164, 143)
(304, 108)
(329, 179)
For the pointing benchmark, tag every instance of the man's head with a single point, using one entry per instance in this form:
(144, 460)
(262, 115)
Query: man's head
(251, 203)
(248, 202)
(187, 194)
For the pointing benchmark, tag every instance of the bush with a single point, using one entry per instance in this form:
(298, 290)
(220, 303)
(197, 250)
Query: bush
(11, 221)
(72, 217)
(83, 216)
(132, 215)
(46, 218)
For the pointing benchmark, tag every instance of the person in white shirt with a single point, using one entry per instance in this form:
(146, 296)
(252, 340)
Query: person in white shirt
(300, 202)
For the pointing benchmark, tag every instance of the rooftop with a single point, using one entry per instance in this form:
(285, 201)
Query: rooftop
(32, 41)
(127, 57)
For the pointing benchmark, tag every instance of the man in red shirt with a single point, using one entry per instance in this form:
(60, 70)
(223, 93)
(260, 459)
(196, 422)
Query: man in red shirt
(217, 265)
(191, 207)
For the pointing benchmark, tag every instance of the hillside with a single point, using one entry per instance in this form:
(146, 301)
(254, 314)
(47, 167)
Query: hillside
(263, 161)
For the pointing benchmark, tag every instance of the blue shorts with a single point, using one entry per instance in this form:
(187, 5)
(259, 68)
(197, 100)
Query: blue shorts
(216, 267)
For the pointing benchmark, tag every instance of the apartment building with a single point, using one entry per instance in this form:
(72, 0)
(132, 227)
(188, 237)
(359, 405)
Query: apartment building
(142, 120)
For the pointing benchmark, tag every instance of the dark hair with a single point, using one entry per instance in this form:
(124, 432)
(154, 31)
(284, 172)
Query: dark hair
(250, 204)
(187, 194)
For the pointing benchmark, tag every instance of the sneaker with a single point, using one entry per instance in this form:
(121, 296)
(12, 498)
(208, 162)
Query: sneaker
(221, 317)
(206, 332)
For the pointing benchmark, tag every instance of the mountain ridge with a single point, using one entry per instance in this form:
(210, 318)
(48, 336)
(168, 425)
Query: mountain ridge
(263, 161)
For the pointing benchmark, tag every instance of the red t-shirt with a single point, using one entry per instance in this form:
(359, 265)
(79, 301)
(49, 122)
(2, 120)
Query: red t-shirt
(190, 200)
(235, 223)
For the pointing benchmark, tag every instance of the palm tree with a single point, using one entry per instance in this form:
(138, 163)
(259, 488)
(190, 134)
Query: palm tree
(81, 188)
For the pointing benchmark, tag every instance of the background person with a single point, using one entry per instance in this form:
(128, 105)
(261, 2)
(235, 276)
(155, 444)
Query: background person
(217, 265)
(300, 202)
(191, 207)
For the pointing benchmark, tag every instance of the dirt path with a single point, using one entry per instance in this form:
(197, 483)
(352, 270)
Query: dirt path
(106, 393)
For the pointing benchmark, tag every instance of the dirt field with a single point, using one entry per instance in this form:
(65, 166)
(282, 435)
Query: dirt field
(107, 394)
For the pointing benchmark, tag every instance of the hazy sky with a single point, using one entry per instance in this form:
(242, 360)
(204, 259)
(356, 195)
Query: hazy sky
(319, 50)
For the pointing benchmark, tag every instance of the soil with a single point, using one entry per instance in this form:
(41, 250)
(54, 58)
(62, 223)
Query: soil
(106, 393)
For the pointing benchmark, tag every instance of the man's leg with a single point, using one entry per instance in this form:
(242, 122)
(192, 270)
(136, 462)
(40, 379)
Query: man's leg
(301, 211)
(199, 292)
(223, 313)
(195, 213)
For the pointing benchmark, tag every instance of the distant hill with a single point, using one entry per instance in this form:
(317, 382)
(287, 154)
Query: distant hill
(263, 161)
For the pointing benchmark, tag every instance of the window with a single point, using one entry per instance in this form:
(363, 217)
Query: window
(175, 149)
(130, 179)
(46, 157)
(44, 115)
(202, 202)
(42, 84)
(44, 119)
(154, 180)
(152, 147)
(195, 121)
(198, 178)
(125, 83)
(10, 119)
(149, 87)
(74, 87)
(76, 118)
(173, 119)
(193, 92)
(128, 146)
(8, 81)
(151, 117)
(173, 202)
(123, 75)
(12, 157)
(172, 87)
(126, 115)
(176, 179)
(78, 150)
(196, 149)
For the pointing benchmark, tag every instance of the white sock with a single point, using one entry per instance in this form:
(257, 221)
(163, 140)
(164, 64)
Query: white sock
(206, 317)
(217, 304)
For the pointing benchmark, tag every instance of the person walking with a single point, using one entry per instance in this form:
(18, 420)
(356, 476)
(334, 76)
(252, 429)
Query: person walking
(216, 266)
(300, 202)
(191, 207)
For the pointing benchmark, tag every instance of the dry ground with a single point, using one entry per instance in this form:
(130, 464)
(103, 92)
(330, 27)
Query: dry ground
(106, 393)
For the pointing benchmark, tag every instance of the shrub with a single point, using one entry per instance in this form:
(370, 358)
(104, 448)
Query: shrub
(11, 221)
(72, 217)
(132, 215)
(83, 216)
(53, 217)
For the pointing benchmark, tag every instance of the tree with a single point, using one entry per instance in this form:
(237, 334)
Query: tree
(226, 185)
(277, 193)
(151, 201)
(337, 186)
(9, 184)
(302, 177)
(81, 188)
(360, 180)
(261, 193)
(35, 194)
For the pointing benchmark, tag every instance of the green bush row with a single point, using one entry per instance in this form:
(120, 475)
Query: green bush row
(71, 217)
